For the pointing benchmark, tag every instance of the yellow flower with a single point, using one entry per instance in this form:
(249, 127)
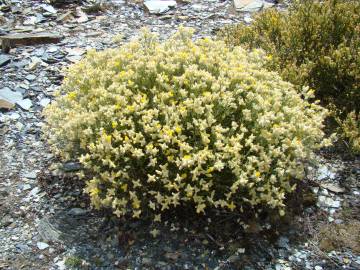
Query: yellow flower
(170, 133)
(94, 191)
(130, 108)
(257, 174)
(124, 187)
(157, 218)
(108, 138)
(72, 95)
(178, 129)
(154, 232)
(231, 206)
(152, 205)
(136, 214)
(200, 208)
(210, 169)
(114, 124)
(143, 99)
(136, 203)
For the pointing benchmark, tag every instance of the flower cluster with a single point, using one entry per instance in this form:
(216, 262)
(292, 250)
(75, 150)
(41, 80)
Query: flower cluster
(182, 122)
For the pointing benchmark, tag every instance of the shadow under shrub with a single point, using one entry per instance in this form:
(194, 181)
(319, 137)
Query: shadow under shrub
(314, 43)
(183, 124)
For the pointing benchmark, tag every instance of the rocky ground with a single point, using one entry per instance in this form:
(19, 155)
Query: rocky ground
(46, 222)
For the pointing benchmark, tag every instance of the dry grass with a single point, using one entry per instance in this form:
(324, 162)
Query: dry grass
(340, 236)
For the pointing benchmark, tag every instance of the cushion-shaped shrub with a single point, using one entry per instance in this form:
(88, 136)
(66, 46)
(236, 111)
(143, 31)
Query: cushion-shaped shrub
(314, 43)
(183, 123)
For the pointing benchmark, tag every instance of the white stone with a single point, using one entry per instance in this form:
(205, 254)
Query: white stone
(251, 5)
(324, 173)
(315, 189)
(49, 8)
(44, 102)
(247, 18)
(30, 175)
(34, 191)
(328, 202)
(42, 245)
(26, 104)
(26, 187)
(159, 7)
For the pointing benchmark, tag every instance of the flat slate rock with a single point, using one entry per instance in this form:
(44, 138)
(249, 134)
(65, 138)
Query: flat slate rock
(9, 95)
(27, 39)
(4, 60)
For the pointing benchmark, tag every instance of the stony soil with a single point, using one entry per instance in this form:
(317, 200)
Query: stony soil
(46, 221)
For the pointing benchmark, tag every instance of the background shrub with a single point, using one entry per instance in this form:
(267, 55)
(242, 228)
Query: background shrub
(350, 130)
(183, 123)
(314, 43)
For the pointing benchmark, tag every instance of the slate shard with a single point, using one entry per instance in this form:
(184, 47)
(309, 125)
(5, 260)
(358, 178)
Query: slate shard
(14, 40)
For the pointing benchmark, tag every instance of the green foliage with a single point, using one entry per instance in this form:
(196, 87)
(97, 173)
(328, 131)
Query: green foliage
(183, 123)
(350, 130)
(73, 262)
(314, 43)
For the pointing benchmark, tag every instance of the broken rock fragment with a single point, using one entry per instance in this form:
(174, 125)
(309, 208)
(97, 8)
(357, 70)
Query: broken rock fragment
(251, 5)
(10, 96)
(4, 60)
(14, 40)
(158, 6)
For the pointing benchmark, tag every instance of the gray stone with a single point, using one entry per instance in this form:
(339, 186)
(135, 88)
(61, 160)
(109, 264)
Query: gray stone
(34, 191)
(72, 166)
(9, 95)
(44, 102)
(15, 40)
(146, 261)
(26, 187)
(48, 232)
(77, 212)
(30, 175)
(283, 242)
(333, 187)
(30, 77)
(22, 247)
(234, 258)
(4, 60)
(328, 202)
